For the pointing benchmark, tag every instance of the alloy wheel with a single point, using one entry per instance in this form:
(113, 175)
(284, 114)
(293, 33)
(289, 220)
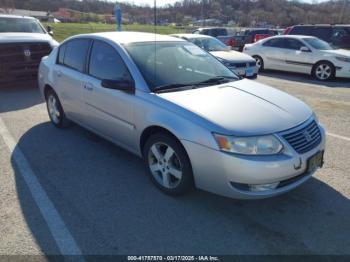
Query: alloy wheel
(53, 109)
(165, 165)
(323, 71)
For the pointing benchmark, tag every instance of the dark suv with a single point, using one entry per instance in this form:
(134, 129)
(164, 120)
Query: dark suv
(336, 35)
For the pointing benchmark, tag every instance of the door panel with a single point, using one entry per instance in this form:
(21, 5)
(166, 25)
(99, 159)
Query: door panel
(296, 60)
(109, 111)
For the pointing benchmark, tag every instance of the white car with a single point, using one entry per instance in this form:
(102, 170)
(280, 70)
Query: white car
(301, 54)
(239, 63)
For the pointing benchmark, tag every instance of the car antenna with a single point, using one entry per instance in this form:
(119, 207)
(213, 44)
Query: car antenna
(155, 40)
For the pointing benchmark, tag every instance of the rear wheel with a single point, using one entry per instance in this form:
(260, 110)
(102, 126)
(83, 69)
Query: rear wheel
(323, 71)
(168, 165)
(259, 62)
(55, 110)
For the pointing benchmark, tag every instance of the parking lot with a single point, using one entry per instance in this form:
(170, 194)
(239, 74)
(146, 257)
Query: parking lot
(71, 192)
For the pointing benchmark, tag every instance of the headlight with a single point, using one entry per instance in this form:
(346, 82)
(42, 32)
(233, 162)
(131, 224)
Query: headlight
(225, 62)
(315, 117)
(259, 145)
(343, 59)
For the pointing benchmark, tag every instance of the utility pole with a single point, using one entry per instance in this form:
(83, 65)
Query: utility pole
(341, 17)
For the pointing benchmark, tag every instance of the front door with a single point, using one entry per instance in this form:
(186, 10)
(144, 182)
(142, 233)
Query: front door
(109, 111)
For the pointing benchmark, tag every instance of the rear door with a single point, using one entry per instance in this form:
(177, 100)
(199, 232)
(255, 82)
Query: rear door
(110, 111)
(272, 54)
(69, 75)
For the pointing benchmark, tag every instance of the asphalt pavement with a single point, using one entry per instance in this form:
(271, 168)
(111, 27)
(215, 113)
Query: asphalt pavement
(71, 192)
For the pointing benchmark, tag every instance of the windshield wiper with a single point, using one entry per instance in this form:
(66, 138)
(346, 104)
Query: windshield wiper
(171, 86)
(178, 86)
(217, 80)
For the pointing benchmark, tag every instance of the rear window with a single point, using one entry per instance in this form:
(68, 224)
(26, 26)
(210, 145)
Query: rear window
(300, 30)
(76, 53)
(276, 42)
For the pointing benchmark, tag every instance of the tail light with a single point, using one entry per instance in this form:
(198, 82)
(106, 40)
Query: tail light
(231, 42)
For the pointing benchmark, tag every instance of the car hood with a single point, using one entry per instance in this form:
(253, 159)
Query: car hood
(341, 52)
(232, 56)
(243, 107)
(24, 37)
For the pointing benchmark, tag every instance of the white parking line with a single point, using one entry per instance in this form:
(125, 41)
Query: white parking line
(57, 227)
(338, 136)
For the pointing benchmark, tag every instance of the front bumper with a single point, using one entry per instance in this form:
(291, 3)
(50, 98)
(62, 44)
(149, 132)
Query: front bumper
(343, 70)
(248, 72)
(217, 172)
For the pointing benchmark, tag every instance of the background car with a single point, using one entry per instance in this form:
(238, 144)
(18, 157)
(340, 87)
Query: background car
(23, 42)
(336, 35)
(241, 64)
(227, 36)
(301, 54)
(192, 120)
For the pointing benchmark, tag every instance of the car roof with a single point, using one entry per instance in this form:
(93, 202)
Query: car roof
(16, 16)
(204, 28)
(291, 36)
(325, 25)
(191, 36)
(130, 37)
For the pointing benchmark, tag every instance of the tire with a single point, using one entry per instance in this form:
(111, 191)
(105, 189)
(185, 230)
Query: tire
(168, 165)
(323, 71)
(54, 108)
(259, 62)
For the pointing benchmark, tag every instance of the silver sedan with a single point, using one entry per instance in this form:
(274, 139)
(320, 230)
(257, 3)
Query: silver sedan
(192, 120)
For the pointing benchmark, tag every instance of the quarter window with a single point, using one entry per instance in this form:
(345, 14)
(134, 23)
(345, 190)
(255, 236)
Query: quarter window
(75, 54)
(106, 63)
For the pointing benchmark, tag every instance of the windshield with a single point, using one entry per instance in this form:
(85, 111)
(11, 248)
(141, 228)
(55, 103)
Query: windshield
(209, 44)
(175, 63)
(318, 44)
(22, 25)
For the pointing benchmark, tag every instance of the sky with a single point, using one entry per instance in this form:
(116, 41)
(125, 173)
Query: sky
(164, 2)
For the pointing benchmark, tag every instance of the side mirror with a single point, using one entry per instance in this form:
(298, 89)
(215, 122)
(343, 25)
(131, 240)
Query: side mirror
(49, 30)
(122, 85)
(304, 49)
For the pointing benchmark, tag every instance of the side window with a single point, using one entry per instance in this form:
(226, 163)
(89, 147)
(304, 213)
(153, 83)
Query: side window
(293, 44)
(323, 33)
(196, 32)
(106, 63)
(75, 54)
(61, 53)
(277, 42)
(340, 36)
(300, 30)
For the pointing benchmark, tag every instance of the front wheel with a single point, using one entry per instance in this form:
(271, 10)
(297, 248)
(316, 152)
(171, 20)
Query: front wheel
(323, 71)
(168, 165)
(259, 62)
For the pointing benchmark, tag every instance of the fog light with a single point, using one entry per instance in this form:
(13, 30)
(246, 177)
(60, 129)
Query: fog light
(263, 187)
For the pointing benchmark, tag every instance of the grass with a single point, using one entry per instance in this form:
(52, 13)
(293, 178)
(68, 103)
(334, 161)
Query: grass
(65, 30)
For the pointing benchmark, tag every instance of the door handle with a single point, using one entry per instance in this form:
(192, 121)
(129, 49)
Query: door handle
(89, 87)
(59, 73)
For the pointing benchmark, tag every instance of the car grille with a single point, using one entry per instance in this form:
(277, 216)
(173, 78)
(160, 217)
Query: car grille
(304, 139)
(21, 60)
(247, 64)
